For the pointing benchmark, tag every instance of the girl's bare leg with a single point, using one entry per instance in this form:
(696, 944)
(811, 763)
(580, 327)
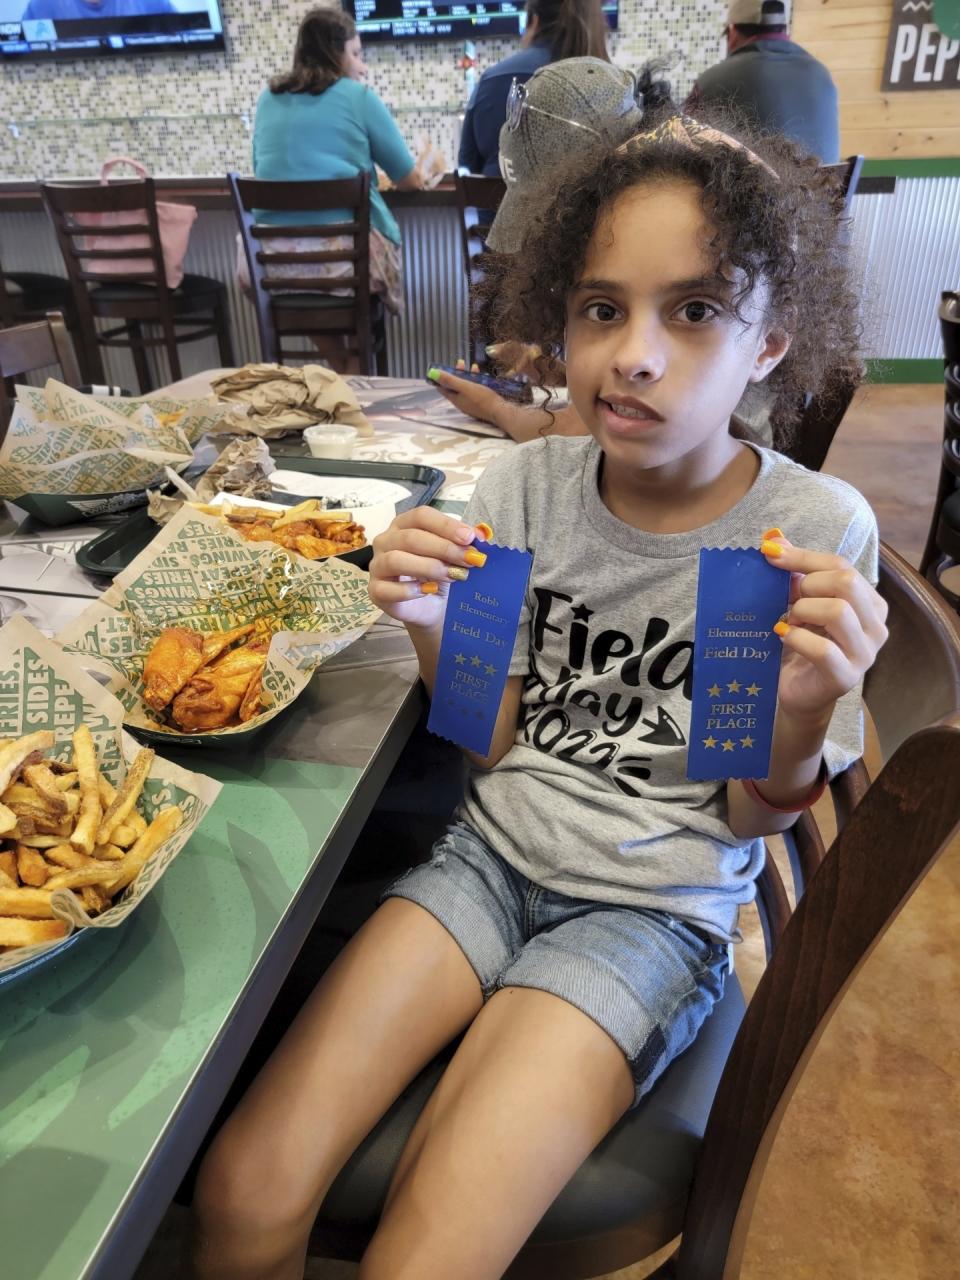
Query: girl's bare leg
(398, 993)
(532, 1089)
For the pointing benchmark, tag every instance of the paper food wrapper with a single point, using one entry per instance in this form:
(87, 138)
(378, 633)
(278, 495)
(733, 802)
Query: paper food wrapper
(41, 687)
(198, 573)
(62, 442)
(281, 399)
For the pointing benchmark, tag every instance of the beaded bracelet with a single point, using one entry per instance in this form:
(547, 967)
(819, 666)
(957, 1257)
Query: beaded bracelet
(817, 791)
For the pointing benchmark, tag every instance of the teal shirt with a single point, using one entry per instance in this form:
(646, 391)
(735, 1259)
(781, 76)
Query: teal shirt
(336, 134)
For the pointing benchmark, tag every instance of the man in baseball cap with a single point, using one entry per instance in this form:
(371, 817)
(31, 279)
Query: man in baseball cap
(564, 109)
(778, 84)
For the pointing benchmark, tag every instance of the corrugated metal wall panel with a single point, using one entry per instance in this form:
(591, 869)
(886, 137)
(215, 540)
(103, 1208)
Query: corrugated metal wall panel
(906, 244)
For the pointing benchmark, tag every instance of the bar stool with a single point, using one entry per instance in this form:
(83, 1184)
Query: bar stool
(289, 304)
(112, 283)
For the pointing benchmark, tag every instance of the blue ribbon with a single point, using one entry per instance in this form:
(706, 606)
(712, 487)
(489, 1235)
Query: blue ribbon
(736, 664)
(479, 631)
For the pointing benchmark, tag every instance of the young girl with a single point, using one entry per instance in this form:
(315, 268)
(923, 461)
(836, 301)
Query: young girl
(574, 920)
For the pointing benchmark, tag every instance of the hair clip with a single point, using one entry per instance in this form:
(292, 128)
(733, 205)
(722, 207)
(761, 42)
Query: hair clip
(689, 133)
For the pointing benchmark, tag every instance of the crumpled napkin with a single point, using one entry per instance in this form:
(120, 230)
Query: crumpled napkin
(243, 469)
(282, 398)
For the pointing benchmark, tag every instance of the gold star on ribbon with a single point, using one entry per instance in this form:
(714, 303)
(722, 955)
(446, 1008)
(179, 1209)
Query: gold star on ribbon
(746, 742)
(475, 661)
(490, 671)
(460, 659)
(728, 745)
(710, 742)
(733, 686)
(714, 691)
(753, 690)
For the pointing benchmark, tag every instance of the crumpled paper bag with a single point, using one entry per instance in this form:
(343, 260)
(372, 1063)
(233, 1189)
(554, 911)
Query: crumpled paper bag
(281, 399)
(198, 573)
(41, 687)
(243, 469)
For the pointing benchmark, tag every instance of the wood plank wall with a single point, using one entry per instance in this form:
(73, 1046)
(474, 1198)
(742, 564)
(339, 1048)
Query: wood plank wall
(850, 38)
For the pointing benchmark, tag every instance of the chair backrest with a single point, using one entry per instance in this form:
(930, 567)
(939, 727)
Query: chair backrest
(884, 848)
(949, 316)
(112, 213)
(254, 196)
(847, 174)
(7, 309)
(26, 347)
(476, 195)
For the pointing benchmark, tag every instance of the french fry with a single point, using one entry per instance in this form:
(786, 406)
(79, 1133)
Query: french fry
(20, 793)
(160, 829)
(8, 864)
(6, 882)
(14, 754)
(67, 781)
(93, 873)
(127, 796)
(33, 903)
(125, 834)
(8, 819)
(40, 842)
(92, 900)
(107, 790)
(45, 785)
(85, 759)
(25, 933)
(65, 855)
(300, 512)
(41, 822)
(31, 867)
(111, 851)
(139, 824)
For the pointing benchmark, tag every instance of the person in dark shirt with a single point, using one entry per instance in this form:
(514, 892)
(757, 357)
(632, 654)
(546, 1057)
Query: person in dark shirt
(778, 84)
(62, 10)
(556, 29)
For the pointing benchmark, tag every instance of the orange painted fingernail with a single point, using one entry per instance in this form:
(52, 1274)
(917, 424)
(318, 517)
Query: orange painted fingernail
(429, 588)
(474, 557)
(771, 549)
(781, 628)
(774, 533)
(484, 531)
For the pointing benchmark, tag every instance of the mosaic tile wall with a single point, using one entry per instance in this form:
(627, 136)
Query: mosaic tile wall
(192, 113)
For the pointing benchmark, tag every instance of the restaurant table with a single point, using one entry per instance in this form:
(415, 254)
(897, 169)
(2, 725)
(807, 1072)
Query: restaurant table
(115, 1058)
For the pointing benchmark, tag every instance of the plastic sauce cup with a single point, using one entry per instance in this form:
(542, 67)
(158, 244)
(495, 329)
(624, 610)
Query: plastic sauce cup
(330, 440)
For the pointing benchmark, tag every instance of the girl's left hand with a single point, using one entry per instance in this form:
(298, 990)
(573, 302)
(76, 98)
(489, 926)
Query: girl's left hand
(832, 632)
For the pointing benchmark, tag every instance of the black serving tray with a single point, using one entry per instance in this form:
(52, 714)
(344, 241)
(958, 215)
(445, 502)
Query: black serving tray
(111, 551)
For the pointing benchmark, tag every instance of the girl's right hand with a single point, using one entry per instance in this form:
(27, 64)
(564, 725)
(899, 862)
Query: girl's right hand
(422, 546)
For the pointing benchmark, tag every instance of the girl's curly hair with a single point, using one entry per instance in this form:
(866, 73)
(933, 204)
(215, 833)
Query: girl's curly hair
(783, 228)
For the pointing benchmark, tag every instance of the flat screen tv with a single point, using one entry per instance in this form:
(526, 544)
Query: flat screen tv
(423, 20)
(107, 28)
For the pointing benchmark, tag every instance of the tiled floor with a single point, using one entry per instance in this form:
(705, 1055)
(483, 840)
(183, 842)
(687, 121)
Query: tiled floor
(863, 1179)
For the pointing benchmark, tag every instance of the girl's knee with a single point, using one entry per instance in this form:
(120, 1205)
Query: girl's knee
(248, 1189)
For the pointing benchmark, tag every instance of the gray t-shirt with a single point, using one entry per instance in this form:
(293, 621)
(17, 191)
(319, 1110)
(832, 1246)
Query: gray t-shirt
(592, 800)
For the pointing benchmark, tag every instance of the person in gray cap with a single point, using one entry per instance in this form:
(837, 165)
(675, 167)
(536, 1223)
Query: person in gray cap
(563, 110)
(780, 86)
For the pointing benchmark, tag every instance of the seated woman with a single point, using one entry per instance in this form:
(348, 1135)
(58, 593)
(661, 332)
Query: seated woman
(319, 122)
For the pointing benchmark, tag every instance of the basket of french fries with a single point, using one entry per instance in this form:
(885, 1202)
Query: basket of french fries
(89, 821)
(205, 636)
(69, 456)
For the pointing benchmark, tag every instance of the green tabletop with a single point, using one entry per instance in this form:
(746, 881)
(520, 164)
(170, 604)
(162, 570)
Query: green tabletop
(102, 1053)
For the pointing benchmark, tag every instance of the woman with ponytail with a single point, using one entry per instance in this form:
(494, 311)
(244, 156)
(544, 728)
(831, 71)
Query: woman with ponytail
(556, 29)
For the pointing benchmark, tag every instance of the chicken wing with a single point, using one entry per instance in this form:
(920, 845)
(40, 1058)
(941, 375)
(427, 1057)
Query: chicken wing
(174, 658)
(213, 696)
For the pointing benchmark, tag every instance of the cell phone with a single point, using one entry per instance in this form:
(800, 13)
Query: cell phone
(510, 388)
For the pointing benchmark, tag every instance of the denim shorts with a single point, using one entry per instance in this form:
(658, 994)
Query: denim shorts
(648, 979)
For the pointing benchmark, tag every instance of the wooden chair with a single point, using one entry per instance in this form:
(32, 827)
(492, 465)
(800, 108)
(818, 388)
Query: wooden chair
(27, 347)
(306, 306)
(478, 199)
(943, 541)
(196, 309)
(690, 1157)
